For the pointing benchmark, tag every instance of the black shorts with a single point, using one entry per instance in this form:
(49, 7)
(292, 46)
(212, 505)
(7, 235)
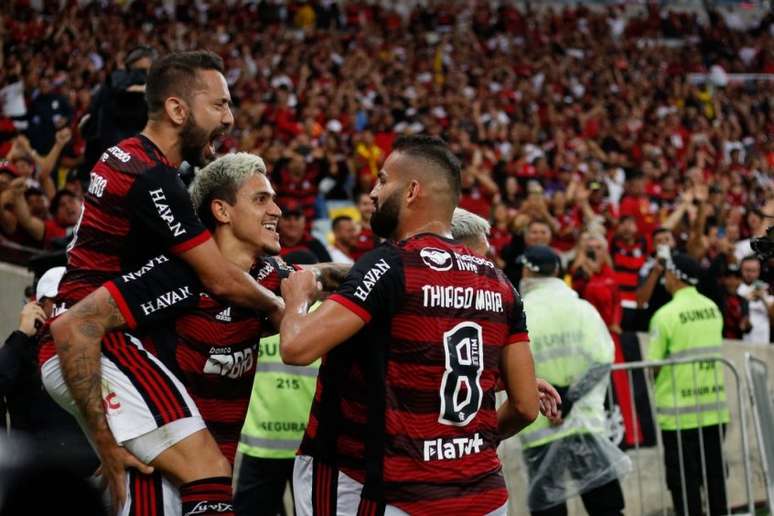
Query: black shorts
(158, 292)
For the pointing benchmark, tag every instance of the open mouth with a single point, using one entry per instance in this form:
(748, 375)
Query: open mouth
(214, 137)
(210, 149)
(272, 227)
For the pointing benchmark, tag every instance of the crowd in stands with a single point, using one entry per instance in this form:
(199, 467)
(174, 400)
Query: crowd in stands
(580, 129)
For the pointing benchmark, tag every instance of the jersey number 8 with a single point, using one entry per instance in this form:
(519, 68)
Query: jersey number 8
(461, 392)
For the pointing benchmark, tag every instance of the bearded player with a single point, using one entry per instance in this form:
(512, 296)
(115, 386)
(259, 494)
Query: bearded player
(137, 208)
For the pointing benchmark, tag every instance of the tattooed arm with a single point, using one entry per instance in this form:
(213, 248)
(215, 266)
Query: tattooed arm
(330, 274)
(78, 335)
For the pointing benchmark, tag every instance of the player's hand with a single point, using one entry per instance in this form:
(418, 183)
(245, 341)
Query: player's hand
(549, 398)
(115, 461)
(32, 317)
(300, 286)
(556, 420)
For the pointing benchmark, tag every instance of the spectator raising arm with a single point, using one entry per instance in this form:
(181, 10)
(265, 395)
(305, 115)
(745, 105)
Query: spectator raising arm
(31, 224)
(695, 246)
(48, 162)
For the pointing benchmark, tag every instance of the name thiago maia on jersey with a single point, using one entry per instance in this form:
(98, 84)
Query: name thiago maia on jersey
(441, 296)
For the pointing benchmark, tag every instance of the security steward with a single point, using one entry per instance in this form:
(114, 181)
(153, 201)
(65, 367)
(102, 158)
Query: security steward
(572, 348)
(273, 429)
(690, 398)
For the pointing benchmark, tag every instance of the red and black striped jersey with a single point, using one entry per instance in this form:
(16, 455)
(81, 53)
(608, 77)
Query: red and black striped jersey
(407, 405)
(212, 348)
(136, 208)
(627, 261)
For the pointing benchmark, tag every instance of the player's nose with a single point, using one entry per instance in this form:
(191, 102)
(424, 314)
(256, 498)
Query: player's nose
(228, 118)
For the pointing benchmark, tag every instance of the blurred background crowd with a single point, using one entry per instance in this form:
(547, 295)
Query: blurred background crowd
(609, 133)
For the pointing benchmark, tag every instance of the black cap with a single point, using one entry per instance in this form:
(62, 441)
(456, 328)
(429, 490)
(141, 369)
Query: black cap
(541, 259)
(733, 269)
(685, 268)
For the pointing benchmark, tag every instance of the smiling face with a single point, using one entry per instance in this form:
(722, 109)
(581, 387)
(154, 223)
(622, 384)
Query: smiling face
(209, 117)
(254, 216)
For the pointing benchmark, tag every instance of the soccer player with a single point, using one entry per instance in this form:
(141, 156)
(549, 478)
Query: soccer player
(415, 342)
(136, 208)
(211, 346)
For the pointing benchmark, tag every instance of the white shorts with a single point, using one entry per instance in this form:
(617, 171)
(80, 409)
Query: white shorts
(147, 408)
(347, 493)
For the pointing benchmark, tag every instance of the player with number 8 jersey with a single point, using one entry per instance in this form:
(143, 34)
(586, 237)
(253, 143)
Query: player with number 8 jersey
(435, 332)
(404, 417)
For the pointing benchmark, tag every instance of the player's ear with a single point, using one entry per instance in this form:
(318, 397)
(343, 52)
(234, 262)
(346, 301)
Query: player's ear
(220, 211)
(413, 190)
(176, 109)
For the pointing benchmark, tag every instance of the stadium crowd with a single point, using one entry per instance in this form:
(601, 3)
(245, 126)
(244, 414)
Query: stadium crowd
(584, 121)
(617, 139)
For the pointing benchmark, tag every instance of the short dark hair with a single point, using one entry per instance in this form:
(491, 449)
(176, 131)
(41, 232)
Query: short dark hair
(175, 75)
(56, 201)
(659, 230)
(750, 258)
(543, 222)
(338, 220)
(32, 191)
(436, 151)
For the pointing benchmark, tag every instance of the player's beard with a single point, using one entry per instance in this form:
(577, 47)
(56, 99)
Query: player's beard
(194, 141)
(384, 221)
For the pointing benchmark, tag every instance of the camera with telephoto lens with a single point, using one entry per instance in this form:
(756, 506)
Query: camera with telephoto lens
(763, 246)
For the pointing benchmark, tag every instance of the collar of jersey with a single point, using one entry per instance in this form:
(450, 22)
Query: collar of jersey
(159, 155)
(685, 291)
(428, 234)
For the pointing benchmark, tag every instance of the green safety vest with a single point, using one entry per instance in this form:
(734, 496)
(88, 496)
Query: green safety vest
(688, 395)
(279, 406)
(567, 337)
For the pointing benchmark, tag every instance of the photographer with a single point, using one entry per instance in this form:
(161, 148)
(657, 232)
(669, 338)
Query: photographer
(118, 109)
(651, 293)
(31, 411)
(593, 278)
(761, 303)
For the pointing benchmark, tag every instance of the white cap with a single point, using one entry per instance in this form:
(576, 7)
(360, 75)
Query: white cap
(48, 284)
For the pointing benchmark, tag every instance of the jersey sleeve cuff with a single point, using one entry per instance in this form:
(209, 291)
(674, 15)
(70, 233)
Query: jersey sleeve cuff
(190, 243)
(123, 307)
(352, 307)
(518, 337)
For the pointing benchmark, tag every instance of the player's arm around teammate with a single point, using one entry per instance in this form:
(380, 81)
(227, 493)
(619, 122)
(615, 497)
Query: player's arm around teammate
(306, 336)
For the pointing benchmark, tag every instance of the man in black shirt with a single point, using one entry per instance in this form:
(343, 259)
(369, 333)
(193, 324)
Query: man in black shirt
(55, 434)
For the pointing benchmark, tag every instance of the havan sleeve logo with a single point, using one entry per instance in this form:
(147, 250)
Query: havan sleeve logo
(165, 212)
(370, 278)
